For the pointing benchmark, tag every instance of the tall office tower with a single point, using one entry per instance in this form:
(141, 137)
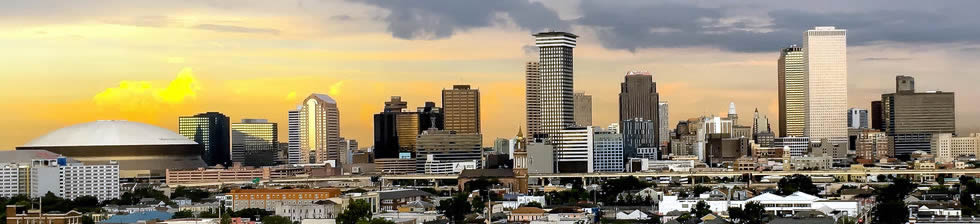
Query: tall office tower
(462, 109)
(396, 130)
(211, 130)
(857, 118)
(583, 109)
(608, 152)
(352, 148)
(532, 94)
(911, 118)
(638, 134)
(825, 57)
(792, 98)
(638, 98)
(732, 113)
(320, 130)
(873, 145)
(573, 150)
(876, 113)
(755, 121)
(664, 132)
(294, 152)
(254, 142)
(446, 147)
(555, 94)
(430, 116)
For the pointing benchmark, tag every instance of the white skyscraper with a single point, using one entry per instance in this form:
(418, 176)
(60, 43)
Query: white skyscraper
(555, 66)
(294, 153)
(825, 75)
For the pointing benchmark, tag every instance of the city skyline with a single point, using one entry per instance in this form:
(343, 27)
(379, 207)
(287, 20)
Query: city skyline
(259, 65)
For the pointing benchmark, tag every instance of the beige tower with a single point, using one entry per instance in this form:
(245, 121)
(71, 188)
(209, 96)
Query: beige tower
(320, 130)
(825, 76)
(461, 106)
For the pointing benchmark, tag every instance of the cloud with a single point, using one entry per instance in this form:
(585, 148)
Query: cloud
(341, 18)
(885, 59)
(143, 95)
(443, 18)
(234, 29)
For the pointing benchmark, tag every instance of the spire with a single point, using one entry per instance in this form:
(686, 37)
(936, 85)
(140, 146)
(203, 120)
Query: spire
(731, 108)
(520, 134)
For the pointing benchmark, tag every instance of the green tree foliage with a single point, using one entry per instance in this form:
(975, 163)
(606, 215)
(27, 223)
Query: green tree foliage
(87, 220)
(968, 187)
(252, 213)
(482, 184)
(194, 194)
(375, 221)
(183, 214)
(533, 204)
(133, 198)
(356, 211)
(797, 182)
(752, 213)
(478, 204)
(701, 209)
(275, 219)
(567, 197)
(612, 188)
(207, 214)
(890, 205)
(699, 189)
(456, 208)
(225, 218)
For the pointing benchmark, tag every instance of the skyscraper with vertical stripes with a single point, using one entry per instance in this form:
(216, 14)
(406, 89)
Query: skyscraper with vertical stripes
(792, 101)
(825, 75)
(555, 67)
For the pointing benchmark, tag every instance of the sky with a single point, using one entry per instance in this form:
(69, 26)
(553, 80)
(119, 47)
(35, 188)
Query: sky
(67, 62)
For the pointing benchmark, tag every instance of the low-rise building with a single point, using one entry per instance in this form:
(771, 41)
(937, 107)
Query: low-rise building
(236, 172)
(527, 214)
(17, 214)
(391, 200)
(268, 199)
(774, 204)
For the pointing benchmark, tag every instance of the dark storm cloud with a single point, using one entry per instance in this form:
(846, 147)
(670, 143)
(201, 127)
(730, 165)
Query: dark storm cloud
(234, 29)
(641, 24)
(443, 18)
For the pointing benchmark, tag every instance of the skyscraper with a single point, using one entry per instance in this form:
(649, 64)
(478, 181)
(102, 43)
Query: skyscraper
(732, 113)
(211, 130)
(664, 133)
(462, 109)
(395, 129)
(555, 67)
(911, 118)
(254, 142)
(876, 113)
(857, 118)
(825, 73)
(638, 98)
(532, 93)
(320, 130)
(583, 109)
(430, 116)
(294, 153)
(792, 96)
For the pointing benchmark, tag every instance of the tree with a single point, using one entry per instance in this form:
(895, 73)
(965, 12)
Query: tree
(699, 189)
(968, 187)
(701, 209)
(456, 208)
(375, 221)
(752, 213)
(275, 219)
(252, 213)
(612, 188)
(478, 204)
(225, 218)
(86, 220)
(890, 205)
(797, 182)
(183, 214)
(533, 204)
(207, 214)
(356, 211)
(194, 194)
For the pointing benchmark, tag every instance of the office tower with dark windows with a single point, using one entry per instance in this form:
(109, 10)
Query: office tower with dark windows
(293, 153)
(254, 142)
(911, 118)
(212, 131)
(792, 98)
(638, 99)
(876, 115)
(825, 76)
(583, 109)
(320, 130)
(638, 134)
(430, 116)
(447, 147)
(532, 94)
(396, 129)
(461, 107)
(556, 86)
(857, 118)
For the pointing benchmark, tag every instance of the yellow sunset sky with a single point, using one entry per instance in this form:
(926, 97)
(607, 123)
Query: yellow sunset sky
(65, 62)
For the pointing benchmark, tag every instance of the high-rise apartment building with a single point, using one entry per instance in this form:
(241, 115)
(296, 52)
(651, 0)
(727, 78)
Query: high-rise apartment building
(320, 130)
(211, 130)
(293, 153)
(947, 148)
(663, 120)
(825, 75)
(583, 109)
(608, 152)
(532, 94)
(857, 118)
(912, 117)
(556, 86)
(461, 106)
(638, 98)
(254, 142)
(792, 92)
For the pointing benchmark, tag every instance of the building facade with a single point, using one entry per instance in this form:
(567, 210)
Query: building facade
(294, 153)
(462, 109)
(798, 146)
(447, 147)
(637, 134)
(792, 92)
(320, 130)
(269, 199)
(947, 148)
(857, 118)
(573, 150)
(556, 86)
(583, 109)
(912, 117)
(211, 130)
(638, 98)
(664, 119)
(873, 145)
(254, 142)
(825, 57)
(608, 152)
(71, 179)
(532, 97)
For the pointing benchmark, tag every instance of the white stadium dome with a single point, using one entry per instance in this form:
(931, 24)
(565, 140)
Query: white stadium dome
(110, 133)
